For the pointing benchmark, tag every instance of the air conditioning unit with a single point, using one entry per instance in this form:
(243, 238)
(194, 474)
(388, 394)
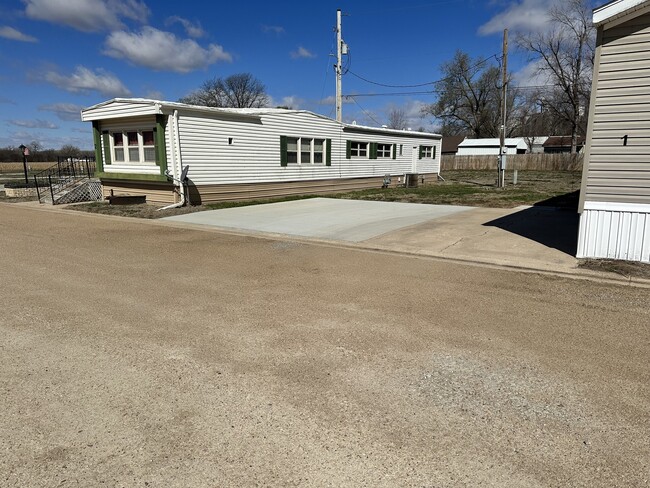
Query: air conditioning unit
(411, 180)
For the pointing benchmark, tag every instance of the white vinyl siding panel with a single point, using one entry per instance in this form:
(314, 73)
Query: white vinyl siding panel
(615, 233)
(618, 172)
(254, 155)
(118, 110)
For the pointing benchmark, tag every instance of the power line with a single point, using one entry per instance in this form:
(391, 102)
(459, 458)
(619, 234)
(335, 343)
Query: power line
(352, 96)
(481, 62)
(365, 112)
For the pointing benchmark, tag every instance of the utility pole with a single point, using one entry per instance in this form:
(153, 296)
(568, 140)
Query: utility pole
(338, 67)
(501, 182)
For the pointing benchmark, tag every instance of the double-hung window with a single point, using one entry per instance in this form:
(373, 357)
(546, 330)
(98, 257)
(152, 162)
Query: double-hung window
(384, 150)
(358, 149)
(305, 150)
(427, 151)
(134, 146)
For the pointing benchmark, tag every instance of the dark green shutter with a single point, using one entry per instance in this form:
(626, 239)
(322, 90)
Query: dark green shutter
(394, 151)
(107, 148)
(284, 160)
(420, 152)
(373, 150)
(328, 157)
(434, 151)
(97, 139)
(159, 141)
(348, 149)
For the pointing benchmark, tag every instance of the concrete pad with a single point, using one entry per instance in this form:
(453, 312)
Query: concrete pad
(323, 218)
(528, 237)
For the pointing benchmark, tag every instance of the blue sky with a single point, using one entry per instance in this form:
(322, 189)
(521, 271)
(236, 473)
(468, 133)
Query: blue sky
(57, 56)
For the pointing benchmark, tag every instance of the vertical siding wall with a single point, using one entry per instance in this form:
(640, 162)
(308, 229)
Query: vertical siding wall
(618, 172)
(254, 155)
(615, 234)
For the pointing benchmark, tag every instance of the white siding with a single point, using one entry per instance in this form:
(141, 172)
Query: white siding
(615, 231)
(254, 155)
(120, 109)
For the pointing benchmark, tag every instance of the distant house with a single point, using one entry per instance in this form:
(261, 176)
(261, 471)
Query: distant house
(615, 195)
(535, 144)
(450, 144)
(561, 144)
(145, 147)
(482, 147)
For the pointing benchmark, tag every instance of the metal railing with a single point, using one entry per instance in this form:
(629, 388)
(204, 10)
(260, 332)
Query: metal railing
(62, 176)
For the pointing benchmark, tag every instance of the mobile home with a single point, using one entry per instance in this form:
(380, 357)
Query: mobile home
(615, 195)
(142, 147)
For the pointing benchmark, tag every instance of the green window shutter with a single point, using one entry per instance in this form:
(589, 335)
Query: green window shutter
(284, 160)
(97, 139)
(434, 151)
(328, 157)
(373, 150)
(394, 151)
(420, 152)
(159, 141)
(107, 147)
(348, 149)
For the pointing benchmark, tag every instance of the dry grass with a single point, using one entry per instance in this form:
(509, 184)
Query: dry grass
(18, 167)
(628, 269)
(478, 189)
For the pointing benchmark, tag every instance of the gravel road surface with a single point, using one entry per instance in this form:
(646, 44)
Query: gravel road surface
(138, 354)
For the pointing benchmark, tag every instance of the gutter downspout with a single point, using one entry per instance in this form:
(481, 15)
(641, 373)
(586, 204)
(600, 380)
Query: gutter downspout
(177, 163)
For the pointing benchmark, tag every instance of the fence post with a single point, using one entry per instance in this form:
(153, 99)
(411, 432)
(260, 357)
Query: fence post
(49, 179)
(87, 168)
(38, 193)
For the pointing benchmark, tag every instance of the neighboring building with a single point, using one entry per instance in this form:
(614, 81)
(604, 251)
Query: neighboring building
(561, 144)
(450, 144)
(615, 194)
(535, 144)
(482, 147)
(235, 154)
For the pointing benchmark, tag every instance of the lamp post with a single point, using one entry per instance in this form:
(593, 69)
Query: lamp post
(25, 150)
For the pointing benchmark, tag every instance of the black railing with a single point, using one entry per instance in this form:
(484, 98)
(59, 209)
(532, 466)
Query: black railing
(61, 176)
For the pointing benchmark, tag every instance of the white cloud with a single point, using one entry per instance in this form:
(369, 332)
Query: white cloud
(273, 29)
(64, 111)
(15, 35)
(524, 15)
(154, 95)
(302, 52)
(163, 51)
(192, 30)
(331, 100)
(34, 124)
(87, 15)
(85, 80)
(292, 101)
(530, 75)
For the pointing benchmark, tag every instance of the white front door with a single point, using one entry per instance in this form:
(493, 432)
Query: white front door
(415, 153)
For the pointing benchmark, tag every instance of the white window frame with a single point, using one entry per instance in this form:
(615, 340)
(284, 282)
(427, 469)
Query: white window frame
(381, 153)
(427, 152)
(358, 150)
(312, 144)
(125, 146)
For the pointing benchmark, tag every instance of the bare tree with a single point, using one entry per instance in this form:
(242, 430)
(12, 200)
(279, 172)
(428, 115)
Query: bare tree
(469, 98)
(565, 55)
(397, 118)
(241, 90)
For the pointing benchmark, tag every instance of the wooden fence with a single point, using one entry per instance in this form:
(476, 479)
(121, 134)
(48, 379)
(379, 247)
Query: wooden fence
(535, 162)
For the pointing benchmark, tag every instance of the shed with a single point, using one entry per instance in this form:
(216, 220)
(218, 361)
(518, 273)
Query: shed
(143, 145)
(491, 146)
(615, 193)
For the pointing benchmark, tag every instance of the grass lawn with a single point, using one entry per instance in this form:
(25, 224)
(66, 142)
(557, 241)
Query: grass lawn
(477, 189)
